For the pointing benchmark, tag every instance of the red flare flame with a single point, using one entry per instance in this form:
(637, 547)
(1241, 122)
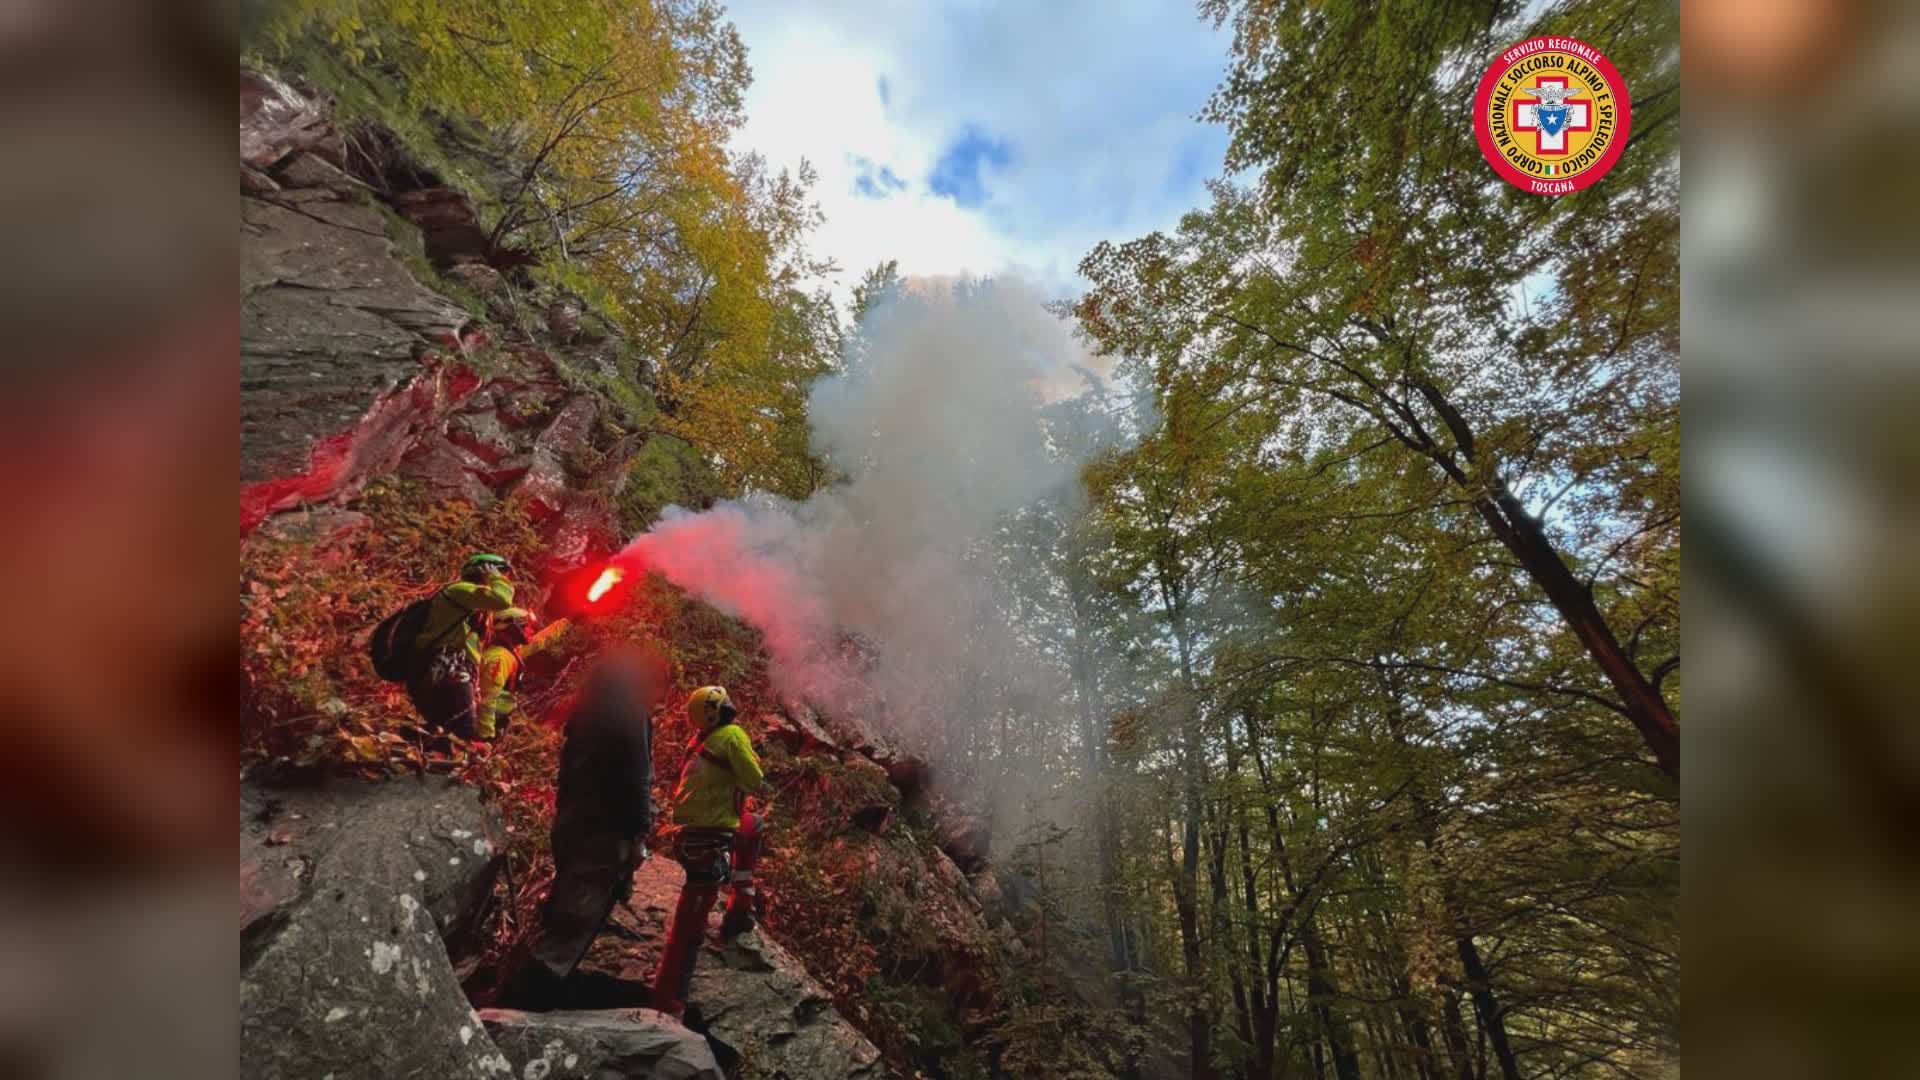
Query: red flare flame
(608, 579)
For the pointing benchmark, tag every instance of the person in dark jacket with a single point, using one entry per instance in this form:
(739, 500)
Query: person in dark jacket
(603, 809)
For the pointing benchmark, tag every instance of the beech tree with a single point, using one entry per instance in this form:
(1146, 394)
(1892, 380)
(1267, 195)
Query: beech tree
(1378, 280)
(1409, 529)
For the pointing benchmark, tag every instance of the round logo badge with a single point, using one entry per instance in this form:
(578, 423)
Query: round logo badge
(1551, 115)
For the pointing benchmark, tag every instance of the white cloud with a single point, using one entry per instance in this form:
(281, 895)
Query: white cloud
(1096, 101)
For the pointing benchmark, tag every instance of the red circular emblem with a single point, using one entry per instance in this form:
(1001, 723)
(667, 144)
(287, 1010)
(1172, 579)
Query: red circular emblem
(1552, 115)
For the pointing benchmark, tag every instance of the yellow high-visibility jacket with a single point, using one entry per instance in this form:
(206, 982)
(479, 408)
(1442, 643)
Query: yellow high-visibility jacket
(717, 779)
(498, 666)
(452, 605)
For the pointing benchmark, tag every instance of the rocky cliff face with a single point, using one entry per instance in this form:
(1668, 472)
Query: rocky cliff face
(352, 368)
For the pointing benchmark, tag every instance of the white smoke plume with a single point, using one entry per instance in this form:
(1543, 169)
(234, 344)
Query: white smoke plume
(937, 424)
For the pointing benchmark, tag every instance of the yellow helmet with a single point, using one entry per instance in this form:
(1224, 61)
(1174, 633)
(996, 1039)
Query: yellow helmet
(709, 706)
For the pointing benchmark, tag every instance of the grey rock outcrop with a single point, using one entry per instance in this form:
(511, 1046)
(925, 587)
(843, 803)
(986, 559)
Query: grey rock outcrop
(329, 322)
(277, 120)
(349, 896)
(600, 1045)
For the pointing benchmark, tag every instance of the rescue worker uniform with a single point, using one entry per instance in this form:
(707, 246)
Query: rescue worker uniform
(717, 840)
(443, 686)
(500, 664)
(603, 811)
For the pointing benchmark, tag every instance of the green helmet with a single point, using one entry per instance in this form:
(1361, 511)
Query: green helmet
(515, 616)
(485, 562)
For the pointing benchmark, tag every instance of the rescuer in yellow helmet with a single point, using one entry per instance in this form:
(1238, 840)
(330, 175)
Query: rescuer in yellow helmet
(721, 770)
(717, 840)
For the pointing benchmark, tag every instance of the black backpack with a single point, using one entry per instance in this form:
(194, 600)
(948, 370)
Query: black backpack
(394, 646)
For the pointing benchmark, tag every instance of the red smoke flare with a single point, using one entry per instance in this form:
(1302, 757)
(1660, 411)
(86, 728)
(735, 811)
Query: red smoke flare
(608, 579)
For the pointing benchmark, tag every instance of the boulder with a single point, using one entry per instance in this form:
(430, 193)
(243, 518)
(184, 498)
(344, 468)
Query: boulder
(314, 526)
(587, 526)
(873, 801)
(310, 170)
(449, 470)
(600, 1045)
(1006, 895)
(338, 465)
(908, 773)
(349, 896)
(953, 881)
(448, 224)
(255, 182)
(986, 890)
(965, 838)
(799, 730)
(277, 120)
(546, 485)
(482, 433)
(563, 320)
(754, 1000)
(484, 280)
(435, 208)
(850, 728)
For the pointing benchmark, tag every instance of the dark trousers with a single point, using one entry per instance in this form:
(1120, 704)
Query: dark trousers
(712, 858)
(591, 873)
(445, 692)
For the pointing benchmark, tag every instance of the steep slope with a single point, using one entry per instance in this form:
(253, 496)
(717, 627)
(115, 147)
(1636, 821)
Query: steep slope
(395, 411)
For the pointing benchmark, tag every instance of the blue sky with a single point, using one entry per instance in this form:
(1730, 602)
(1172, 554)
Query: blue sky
(985, 137)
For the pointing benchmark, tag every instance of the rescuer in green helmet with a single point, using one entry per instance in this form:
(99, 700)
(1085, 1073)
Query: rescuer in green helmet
(443, 686)
(514, 636)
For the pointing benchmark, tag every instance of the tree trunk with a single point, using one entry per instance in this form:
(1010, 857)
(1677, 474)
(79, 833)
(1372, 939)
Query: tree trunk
(1455, 1028)
(1426, 1062)
(1186, 901)
(1262, 976)
(1381, 1044)
(1120, 946)
(1393, 963)
(1187, 884)
(1528, 541)
(1266, 1023)
(1322, 992)
(1492, 1021)
(1524, 537)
